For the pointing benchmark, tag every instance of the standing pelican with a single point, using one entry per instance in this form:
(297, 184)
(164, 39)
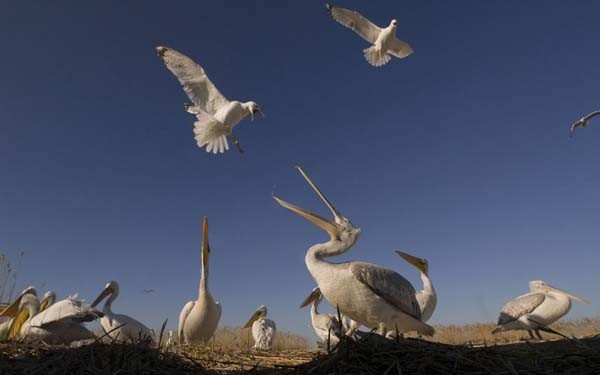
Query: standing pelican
(59, 323)
(263, 329)
(369, 294)
(583, 122)
(536, 310)
(426, 298)
(198, 319)
(11, 311)
(120, 327)
(326, 326)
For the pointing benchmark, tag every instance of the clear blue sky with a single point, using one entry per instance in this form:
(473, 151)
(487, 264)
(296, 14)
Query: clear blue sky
(459, 153)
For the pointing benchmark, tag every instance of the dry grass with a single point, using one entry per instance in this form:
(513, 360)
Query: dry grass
(239, 338)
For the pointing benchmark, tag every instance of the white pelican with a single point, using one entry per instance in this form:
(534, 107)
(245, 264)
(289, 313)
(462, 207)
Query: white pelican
(369, 294)
(263, 329)
(383, 40)
(583, 122)
(216, 115)
(198, 319)
(426, 298)
(120, 327)
(326, 326)
(48, 300)
(11, 312)
(536, 310)
(59, 323)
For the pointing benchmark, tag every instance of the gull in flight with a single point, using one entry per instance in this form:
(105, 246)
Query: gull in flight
(583, 122)
(216, 116)
(383, 40)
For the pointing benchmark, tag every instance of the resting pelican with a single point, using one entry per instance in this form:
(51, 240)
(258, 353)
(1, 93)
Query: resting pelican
(536, 310)
(426, 298)
(369, 294)
(263, 329)
(48, 300)
(118, 326)
(583, 122)
(198, 319)
(59, 323)
(11, 312)
(326, 326)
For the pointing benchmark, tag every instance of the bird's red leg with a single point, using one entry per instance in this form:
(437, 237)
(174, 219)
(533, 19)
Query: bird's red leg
(237, 144)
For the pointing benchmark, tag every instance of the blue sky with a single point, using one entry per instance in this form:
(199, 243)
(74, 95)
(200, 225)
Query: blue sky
(459, 153)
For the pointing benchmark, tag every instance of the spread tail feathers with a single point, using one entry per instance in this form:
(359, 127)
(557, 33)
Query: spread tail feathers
(212, 134)
(376, 57)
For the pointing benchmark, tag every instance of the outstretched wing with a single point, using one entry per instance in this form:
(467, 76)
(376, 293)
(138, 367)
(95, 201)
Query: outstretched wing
(575, 125)
(355, 22)
(593, 114)
(194, 80)
(520, 306)
(211, 133)
(68, 309)
(182, 317)
(399, 48)
(389, 285)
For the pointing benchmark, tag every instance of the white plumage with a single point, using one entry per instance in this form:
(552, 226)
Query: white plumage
(536, 310)
(327, 326)
(383, 40)
(263, 329)
(216, 116)
(426, 298)
(583, 122)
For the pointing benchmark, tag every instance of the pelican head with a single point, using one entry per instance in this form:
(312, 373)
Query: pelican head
(261, 312)
(541, 286)
(27, 308)
(394, 23)
(111, 288)
(421, 263)
(339, 229)
(315, 295)
(13, 309)
(48, 300)
(253, 108)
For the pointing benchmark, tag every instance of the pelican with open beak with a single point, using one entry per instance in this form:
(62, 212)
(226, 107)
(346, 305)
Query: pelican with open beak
(263, 329)
(198, 319)
(426, 298)
(120, 327)
(371, 295)
(536, 310)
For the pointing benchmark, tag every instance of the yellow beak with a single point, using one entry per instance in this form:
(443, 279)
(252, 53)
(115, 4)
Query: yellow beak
(314, 295)
(253, 318)
(17, 323)
(318, 220)
(105, 293)
(415, 261)
(13, 309)
(205, 244)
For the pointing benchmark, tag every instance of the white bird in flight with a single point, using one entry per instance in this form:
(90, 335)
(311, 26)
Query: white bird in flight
(583, 122)
(216, 116)
(536, 310)
(383, 40)
(263, 329)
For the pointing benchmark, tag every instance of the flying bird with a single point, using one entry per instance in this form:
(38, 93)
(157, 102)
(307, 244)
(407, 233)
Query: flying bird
(327, 326)
(536, 310)
(582, 122)
(120, 327)
(263, 329)
(383, 40)
(369, 294)
(216, 116)
(198, 319)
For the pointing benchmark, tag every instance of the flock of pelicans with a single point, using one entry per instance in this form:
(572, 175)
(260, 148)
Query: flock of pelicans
(365, 294)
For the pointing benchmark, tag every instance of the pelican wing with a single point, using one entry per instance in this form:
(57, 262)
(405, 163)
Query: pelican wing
(399, 48)
(355, 22)
(389, 285)
(593, 114)
(211, 133)
(194, 80)
(520, 306)
(68, 309)
(182, 317)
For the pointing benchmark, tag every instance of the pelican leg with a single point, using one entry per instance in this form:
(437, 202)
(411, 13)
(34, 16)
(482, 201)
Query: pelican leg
(353, 327)
(531, 334)
(538, 334)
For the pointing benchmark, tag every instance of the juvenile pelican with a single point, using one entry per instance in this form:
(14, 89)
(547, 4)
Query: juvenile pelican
(263, 329)
(369, 294)
(426, 298)
(120, 327)
(536, 310)
(326, 326)
(583, 122)
(59, 323)
(198, 319)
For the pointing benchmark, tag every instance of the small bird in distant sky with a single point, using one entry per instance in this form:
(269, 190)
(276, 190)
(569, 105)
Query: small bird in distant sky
(384, 40)
(149, 290)
(582, 122)
(216, 116)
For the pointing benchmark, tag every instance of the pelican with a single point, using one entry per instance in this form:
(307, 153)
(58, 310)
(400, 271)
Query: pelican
(263, 329)
(198, 319)
(120, 327)
(11, 312)
(216, 116)
(59, 323)
(369, 294)
(536, 310)
(426, 298)
(326, 326)
(583, 122)
(48, 300)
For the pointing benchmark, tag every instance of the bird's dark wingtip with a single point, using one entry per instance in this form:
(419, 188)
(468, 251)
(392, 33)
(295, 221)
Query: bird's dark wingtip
(160, 50)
